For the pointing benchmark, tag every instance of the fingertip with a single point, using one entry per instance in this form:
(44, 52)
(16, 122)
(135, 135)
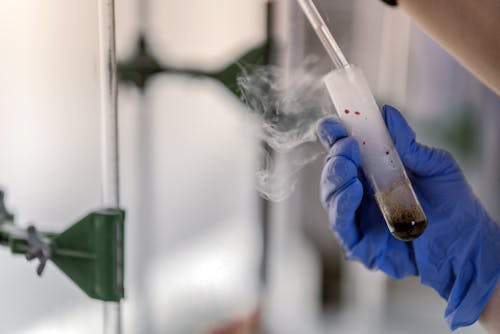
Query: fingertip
(388, 108)
(329, 130)
(392, 116)
(399, 129)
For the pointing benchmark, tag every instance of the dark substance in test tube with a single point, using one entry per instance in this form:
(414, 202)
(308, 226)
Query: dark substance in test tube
(403, 214)
(407, 231)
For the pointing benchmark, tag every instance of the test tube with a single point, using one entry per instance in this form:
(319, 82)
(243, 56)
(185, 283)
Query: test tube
(358, 111)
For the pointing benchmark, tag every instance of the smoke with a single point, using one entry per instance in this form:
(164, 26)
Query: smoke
(286, 105)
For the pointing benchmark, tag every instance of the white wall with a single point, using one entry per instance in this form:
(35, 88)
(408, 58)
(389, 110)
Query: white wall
(198, 177)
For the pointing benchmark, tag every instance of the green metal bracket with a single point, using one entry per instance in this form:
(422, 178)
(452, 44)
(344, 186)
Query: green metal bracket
(142, 65)
(90, 252)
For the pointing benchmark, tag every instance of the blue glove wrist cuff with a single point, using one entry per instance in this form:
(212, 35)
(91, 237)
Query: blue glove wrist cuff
(477, 280)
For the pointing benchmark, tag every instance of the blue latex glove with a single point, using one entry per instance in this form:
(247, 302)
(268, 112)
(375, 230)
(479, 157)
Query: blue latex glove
(459, 253)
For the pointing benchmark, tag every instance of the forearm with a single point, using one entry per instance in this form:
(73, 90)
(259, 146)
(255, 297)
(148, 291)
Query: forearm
(468, 29)
(490, 318)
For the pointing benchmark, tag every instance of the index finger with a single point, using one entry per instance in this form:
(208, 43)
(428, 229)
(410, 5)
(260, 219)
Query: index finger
(329, 130)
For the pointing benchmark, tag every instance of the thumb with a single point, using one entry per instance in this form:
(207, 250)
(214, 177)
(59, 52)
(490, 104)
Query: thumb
(417, 158)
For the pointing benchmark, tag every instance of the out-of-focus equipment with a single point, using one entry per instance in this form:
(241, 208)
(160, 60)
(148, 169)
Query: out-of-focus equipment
(90, 252)
(142, 65)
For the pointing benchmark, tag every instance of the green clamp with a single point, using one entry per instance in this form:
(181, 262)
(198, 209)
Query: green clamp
(90, 252)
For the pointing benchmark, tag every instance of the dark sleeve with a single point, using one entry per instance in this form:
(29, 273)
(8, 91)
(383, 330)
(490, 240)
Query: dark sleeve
(391, 2)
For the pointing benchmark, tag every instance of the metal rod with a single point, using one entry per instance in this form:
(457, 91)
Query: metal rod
(109, 134)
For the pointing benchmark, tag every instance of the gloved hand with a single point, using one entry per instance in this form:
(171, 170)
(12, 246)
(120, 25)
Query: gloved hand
(459, 253)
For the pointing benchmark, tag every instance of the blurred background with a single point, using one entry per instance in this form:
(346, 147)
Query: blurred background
(204, 253)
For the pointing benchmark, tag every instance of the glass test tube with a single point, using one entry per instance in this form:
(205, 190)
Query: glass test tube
(361, 116)
(381, 164)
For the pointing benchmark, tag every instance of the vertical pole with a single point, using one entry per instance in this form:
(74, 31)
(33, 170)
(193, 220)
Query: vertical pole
(145, 173)
(265, 204)
(109, 134)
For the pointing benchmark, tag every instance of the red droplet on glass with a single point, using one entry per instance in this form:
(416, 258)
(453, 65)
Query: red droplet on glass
(387, 152)
(357, 113)
(347, 111)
